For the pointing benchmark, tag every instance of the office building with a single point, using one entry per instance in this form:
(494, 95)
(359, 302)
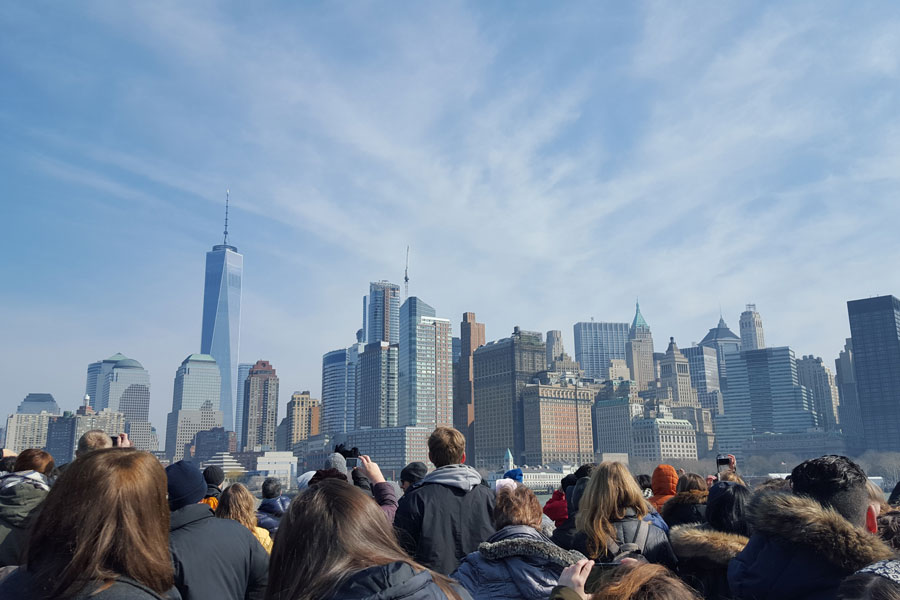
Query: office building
(502, 370)
(875, 331)
(383, 316)
(260, 408)
(845, 379)
(97, 373)
(376, 386)
(704, 368)
(392, 448)
(819, 382)
(616, 407)
(280, 465)
(425, 369)
(61, 438)
(663, 438)
(35, 404)
(220, 336)
(208, 443)
(597, 343)
(195, 403)
(303, 418)
(471, 337)
(554, 345)
(242, 372)
(752, 337)
(339, 372)
(557, 423)
(639, 351)
(675, 375)
(724, 342)
(27, 430)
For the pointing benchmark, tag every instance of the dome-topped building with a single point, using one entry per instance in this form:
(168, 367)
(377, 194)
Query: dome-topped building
(723, 341)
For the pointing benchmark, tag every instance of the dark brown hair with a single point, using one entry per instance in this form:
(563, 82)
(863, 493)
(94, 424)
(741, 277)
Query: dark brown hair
(34, 460)
(238, 504)
(518, 506)
(644, 581)
(107, 516)
(331, 531)
(446, 446)
(690, 482)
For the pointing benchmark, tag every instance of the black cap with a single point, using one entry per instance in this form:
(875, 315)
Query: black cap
(414, 472)
(214, 475)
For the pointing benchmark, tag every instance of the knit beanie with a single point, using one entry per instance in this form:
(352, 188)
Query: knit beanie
(336, 461)
(514, 474)
(214, 475)
(718, 490)
(185, 484)
(414, 472)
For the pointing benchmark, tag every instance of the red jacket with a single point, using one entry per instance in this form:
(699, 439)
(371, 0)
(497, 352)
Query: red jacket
(556, 508)
(663, 482)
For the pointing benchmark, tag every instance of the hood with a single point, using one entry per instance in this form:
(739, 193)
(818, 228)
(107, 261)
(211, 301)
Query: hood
(213, 491)
(189, 514)
(463, 477)
(274, 506)
(20, 495)
(691, 497)
(664, 480)
(802, 521)
(699, 542)
(385, 582)
(523, 541)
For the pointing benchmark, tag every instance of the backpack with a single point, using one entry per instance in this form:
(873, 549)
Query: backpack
(629, 549)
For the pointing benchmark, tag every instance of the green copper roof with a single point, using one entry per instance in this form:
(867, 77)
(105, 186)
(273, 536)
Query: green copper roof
(116, 357)
(638, 318)
(200, 358)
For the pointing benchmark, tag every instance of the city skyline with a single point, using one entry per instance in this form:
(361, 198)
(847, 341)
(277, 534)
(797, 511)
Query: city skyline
(637, 166)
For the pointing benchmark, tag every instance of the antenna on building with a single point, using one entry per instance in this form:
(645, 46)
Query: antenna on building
(227, 193)
(406, 276)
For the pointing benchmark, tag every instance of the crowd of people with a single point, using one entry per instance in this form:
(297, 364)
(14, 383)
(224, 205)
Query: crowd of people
(115, 525)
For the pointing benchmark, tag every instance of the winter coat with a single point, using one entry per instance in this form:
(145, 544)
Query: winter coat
(264, 538)
(445, 516)
(799, 550)
(564, 535)
(22, 584)
(213, 493)
(386, 497)
(215, 558)
(557, 508)
(562, 592)
(703, 555)
(663, 481)
(685, 507)
(21, 495)
(516, 563)
(269, 511)
(657, 549)
(394, 581)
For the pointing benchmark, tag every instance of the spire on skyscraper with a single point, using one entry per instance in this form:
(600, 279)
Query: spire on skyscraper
(227, 193)
(638, 317)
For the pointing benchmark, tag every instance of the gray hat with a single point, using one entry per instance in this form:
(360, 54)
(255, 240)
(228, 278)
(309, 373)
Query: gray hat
(336, 461)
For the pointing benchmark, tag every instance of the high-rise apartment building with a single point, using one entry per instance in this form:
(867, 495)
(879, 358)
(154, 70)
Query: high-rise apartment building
(339, 372)
(471, 337)
(596, 343)
(220, 336)
(875, 331)
(752, 337)
(845, 379)
(27, 430)
(303, 418)
(724, 342)
(554, 345)
(704, 366)
(383, 313)
(61, 438)
(260, 408)
(376, 386)
(557, 423)
(819, 382)
(639, 351)
(35, 404)
(425, 371)
(195, 403)
(242, 372)
(502, 370)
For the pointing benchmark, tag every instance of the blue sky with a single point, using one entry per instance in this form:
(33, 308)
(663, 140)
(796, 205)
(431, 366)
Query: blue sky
(546, 162)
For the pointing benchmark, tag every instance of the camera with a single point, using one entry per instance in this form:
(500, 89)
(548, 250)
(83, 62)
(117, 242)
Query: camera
(352, 462)
(725, 462)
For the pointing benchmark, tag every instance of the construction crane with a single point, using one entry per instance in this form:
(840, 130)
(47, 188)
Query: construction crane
(406, 276)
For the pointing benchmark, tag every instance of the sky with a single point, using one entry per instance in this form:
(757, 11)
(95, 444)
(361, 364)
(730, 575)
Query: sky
(546, 163)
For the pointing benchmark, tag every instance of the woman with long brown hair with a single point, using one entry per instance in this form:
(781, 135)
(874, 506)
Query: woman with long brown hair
(688, 505)
(102, 533)
(611, 519)
(238, 504)
(334, 543)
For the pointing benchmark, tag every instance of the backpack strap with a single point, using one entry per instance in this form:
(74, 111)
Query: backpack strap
(641, 534)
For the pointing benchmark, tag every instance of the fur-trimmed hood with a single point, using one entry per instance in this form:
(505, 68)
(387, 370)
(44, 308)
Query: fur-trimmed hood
(700, 542)
(691, 497)
(524, 544)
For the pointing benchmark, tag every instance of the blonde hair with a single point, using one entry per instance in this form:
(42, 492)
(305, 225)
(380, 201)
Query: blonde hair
(610, 492)
(238, 504)
(730, 475)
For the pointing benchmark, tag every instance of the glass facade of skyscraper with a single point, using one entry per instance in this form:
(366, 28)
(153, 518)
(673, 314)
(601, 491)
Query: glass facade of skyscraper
(425, 377)
(383, 318)
(598, 343)
(339, 370)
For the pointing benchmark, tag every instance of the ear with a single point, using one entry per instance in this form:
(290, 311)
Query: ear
(463, 461)
(872, 519)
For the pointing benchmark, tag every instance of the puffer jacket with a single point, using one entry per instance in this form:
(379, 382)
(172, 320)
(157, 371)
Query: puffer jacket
(557, 508)
(269, 511)
(657, 550)
(516, 563)
(394, 581)
(22, 584)
(685, 507)
(664, 481)
(703, 555)
(799, 550)
(213, 493)
(21, 495)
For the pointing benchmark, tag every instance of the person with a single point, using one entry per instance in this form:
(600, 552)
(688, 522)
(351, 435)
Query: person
(879, 581)
(103, 533)
(303, 481)
(214, 477)
(448, 514)
(7, 464)
(612, 514)
(664, 484)
(517, 562)
(238, 504)
(889, 528)
(730, 475)
(21, 495)
(633, 581)
(356, 559)
(95, 439)
(688, 505)
(214, 558)
(273, 505)
(646, 484)
(564, 535)
(806, 542)
(876, 498)
(412, 474)
(382, 490)
(704, 550)
(515, 474)
(556, 507)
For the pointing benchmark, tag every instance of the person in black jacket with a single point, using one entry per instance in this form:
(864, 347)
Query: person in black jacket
(449, 513)
(611, 515)
(273, 505)
(214, 558)
(688, 505)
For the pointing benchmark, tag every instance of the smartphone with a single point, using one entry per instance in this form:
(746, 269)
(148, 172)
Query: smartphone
(115, 440)
(724, 462)
(352, 463)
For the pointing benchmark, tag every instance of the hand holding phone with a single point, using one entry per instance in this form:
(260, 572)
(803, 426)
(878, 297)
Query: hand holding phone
(371, 470)
(575, 576)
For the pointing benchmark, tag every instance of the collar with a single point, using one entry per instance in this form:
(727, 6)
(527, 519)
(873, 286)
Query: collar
(889, 569)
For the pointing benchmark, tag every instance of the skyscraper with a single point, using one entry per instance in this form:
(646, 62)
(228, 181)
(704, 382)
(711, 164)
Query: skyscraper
(122, 385)
(260, 407)
(597, 343)
(425, 396)
(675, 374)
(195, 403)
(242, 372)
(554, 345)
(875, 331)
(339, 372)
(639, 351)
(845, 379)
(303, 418)
(557, 422)
(96, 380)
(723, 341)
(819, 381)
(383, 316)
(471, 336)
(502, 369)
(35, 404)
(752, 337)
(221, 333)
(376, 386)
(704, 366)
